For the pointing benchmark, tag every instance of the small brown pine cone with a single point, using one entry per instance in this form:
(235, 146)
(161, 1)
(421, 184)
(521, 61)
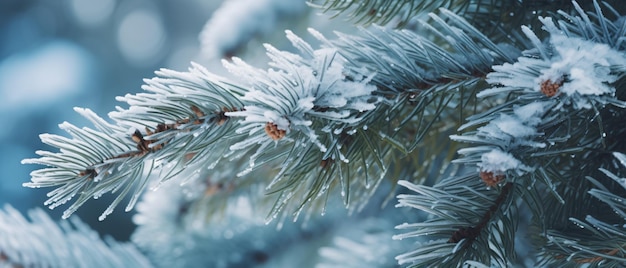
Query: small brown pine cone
(491, 179)
(550, 88)
(274, 132)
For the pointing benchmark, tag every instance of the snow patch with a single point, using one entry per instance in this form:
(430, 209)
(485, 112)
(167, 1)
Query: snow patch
(585, 65)
(298, 90)
(499, 161)
(516, 128)
(581, 71)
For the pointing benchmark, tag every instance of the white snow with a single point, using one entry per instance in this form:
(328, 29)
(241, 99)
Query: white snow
(288, 94)
(529, 113)
(586, 69)
(516, 128)
(508, 131)
(586, 66)
(499, 161)
(513, 126)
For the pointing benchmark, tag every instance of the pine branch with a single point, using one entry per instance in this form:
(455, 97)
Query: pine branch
(310, 114)
(41, 242)
(187, 118)
(473, 232)
(536, 135)
(405, 61)
(425, 79)
(382, 12)
(114, 157)
(468, 222)
(600, 239)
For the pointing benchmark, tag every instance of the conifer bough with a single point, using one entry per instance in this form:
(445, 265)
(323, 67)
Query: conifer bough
(538, 128)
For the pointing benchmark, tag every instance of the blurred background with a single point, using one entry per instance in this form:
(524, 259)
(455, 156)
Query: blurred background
(56, 55)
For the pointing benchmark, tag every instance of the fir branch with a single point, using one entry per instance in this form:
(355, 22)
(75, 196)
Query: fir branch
(425, 79)
(382, 12)
(417, 109)
(108, 159)
(599, 240)
(531, 132)
(84, 161)
(305, 107)
(456, 209)
(405, 61)
(499, 20)
(536, 111)
(470, 233)
(309, 109)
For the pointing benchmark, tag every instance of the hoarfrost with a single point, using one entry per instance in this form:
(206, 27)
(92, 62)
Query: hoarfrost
(516, 128)
(298, 90)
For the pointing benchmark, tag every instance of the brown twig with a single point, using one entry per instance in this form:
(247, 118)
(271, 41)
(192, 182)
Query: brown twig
(472, 232)
(145, 146)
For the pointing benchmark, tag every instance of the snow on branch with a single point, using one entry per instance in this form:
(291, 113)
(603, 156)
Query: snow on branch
(194, 119)
(578, 71)
(87, 164)
(298, 92)
(558, 79)
(578, 64)
(552, 100)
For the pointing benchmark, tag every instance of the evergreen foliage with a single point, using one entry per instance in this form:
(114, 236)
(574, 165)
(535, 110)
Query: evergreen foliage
(503, 129)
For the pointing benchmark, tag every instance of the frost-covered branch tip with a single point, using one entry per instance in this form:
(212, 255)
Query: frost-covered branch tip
(578, 65)
(306, 99)
(559, 77)
(175, 116)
